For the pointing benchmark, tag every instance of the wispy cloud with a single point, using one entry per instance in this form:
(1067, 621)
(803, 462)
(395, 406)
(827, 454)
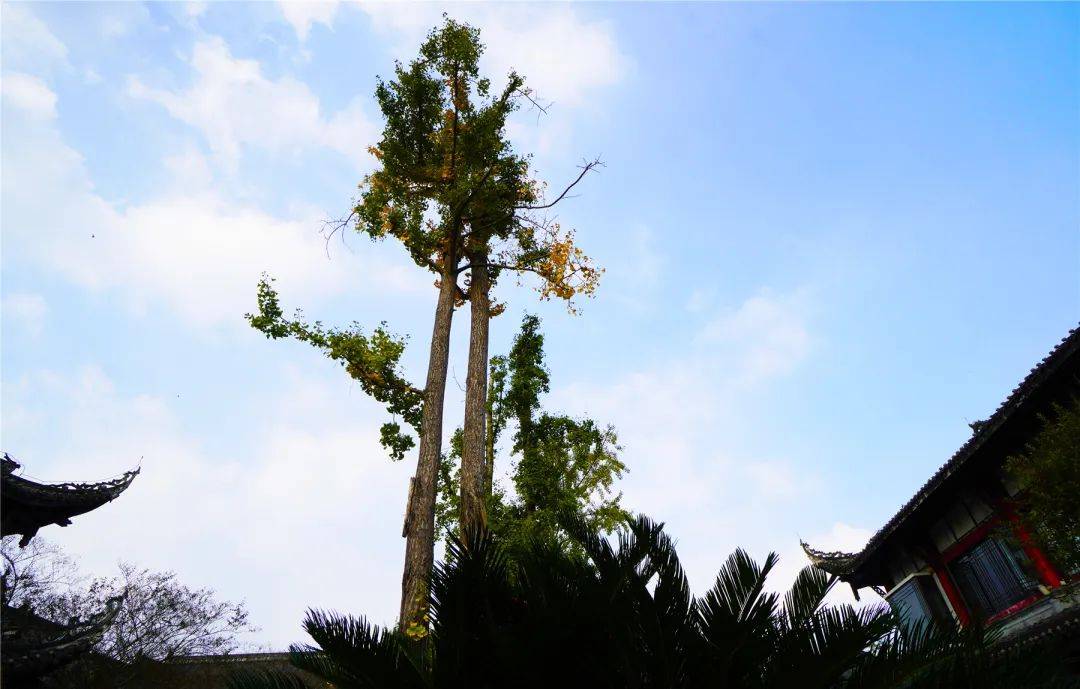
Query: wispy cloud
(25, 312)
(680, 421)
(764, 337)
(279, 511)
(188, 249)
(28, 44)
(28, 93)
(235, 106)
(303, 15)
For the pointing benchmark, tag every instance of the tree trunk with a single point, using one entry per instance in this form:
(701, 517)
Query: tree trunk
(419, 528)
(474, 441)
(489, 444)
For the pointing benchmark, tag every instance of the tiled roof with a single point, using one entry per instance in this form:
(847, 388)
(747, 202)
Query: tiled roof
(34, 647)
(29, 505)
(847, 563)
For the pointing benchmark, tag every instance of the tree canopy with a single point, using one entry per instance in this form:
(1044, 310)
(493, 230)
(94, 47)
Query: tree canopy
(1049, 471)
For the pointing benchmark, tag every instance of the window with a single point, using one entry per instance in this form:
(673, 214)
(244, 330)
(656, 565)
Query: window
(918, 599)
(991, 578)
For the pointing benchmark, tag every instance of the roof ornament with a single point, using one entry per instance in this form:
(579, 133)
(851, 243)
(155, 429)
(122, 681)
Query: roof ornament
(836, 562)
(28, 505)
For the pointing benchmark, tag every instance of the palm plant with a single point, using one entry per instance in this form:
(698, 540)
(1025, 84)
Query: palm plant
(625, 617)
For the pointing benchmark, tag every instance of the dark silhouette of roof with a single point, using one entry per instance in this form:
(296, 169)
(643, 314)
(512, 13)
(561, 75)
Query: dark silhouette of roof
(33, 647)
(28, 505)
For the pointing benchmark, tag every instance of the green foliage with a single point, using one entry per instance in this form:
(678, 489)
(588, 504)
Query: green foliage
(529, 378)
(448, 184)
(372, 360)
(564, 466)
(1049, 472)
(623, 616)
(498, 370)
(443, 153)
(450, 187)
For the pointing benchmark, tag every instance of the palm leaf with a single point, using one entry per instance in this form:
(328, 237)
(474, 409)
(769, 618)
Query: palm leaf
(352, 652)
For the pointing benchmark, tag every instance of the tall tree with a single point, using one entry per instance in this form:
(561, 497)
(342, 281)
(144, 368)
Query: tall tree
(445, 173)
(510, 232)
(518, 240)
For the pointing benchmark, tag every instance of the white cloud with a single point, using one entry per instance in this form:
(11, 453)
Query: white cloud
(700, 299)
(189, 250)
(635, 278)
(303, 15)
(28, 93)
(266, 525)
(235, 107)
(683, 423)
(672, 415)
(28, 44)
(27, 312)
(195, 9)
(766, 335)
(779, 480)
(565, 56)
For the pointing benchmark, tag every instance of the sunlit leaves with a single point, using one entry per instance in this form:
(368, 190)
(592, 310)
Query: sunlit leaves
(371, 359)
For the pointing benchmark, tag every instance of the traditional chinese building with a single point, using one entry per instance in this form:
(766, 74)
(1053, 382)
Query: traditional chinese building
(33, 647)
(957, 550)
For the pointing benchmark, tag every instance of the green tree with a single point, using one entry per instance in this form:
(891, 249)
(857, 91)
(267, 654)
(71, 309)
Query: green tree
(564, 467)
(451, 189)
(1049, 472)
(515, 237)
(444, 167)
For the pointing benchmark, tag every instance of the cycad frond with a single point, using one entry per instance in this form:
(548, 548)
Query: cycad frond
(737, 594)
(806, 595)
(352, 652)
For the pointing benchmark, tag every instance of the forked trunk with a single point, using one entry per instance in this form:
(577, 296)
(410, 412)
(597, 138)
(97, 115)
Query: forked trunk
(474, 440)
(419, 530)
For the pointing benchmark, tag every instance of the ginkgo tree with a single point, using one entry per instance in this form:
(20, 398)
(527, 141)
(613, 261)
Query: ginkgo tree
(450, 188)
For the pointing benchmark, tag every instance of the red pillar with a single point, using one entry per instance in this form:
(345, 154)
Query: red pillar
(951, 592)
(1048, 574)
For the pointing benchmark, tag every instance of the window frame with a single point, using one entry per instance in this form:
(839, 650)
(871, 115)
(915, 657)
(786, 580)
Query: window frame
(966, 544)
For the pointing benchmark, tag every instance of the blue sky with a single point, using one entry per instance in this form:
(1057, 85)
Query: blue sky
(834, 235)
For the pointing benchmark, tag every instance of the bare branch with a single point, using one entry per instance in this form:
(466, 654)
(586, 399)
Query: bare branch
(527, 94)
(331, 227)
(585, 169)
